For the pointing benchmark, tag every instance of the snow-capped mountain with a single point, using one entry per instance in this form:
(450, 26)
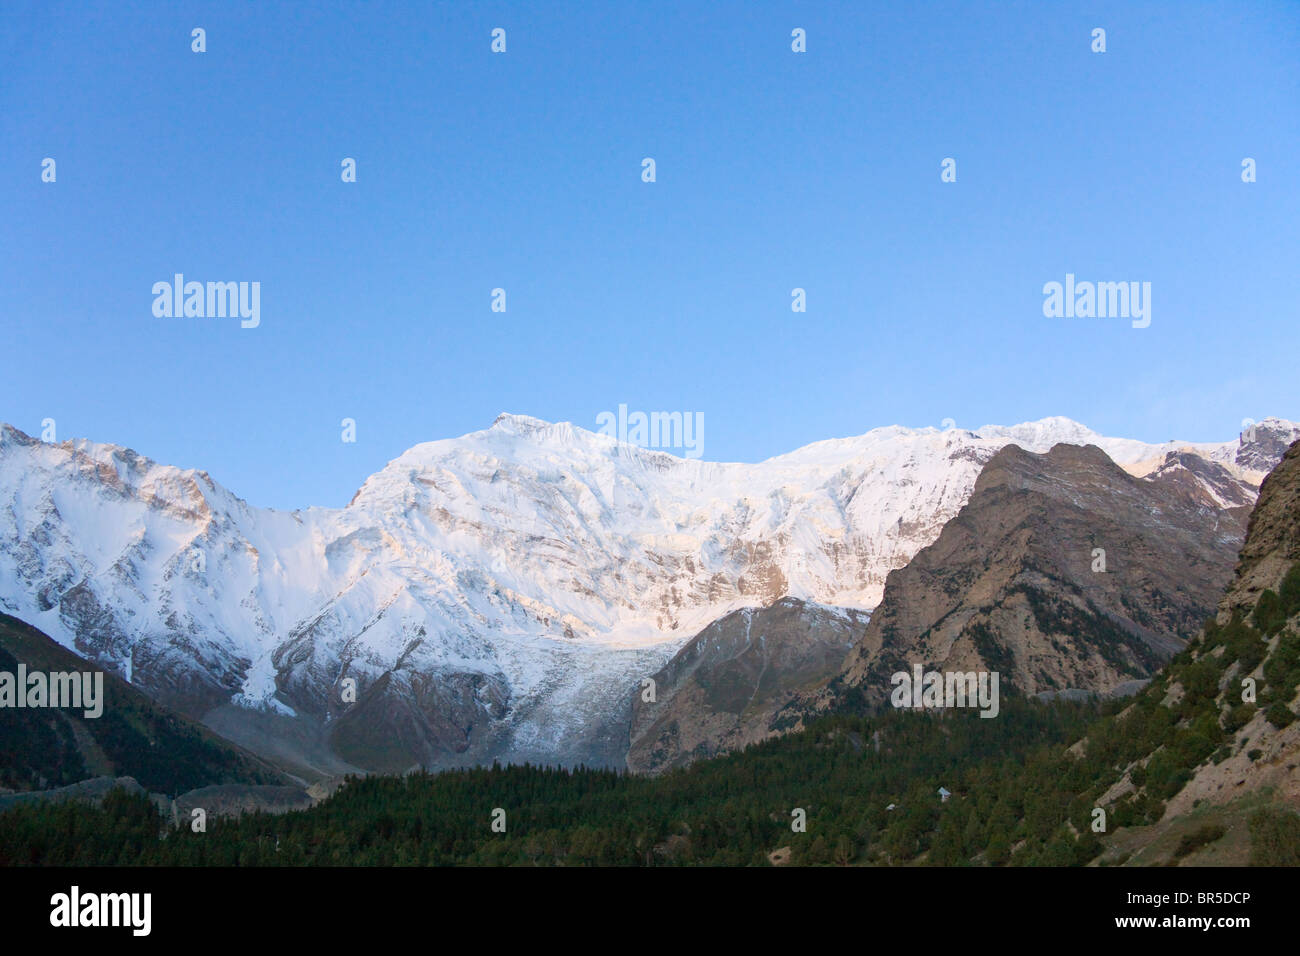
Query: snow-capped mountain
(494, 595)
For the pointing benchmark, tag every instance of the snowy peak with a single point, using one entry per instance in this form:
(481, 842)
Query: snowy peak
(526, 426)
(558, 434)
(1046, 431)
(1262, 445)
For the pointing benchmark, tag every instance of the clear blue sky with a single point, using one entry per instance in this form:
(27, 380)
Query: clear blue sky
(523, 171)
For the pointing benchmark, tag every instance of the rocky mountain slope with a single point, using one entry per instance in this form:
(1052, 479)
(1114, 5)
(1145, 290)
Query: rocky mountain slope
(1061, 571)
(723, 689)
(1231, 700)
(493, 596)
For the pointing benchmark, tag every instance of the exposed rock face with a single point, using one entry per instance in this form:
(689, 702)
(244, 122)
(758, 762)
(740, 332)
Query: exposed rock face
(1014, 583)
(722, 690)
(1264, 444)
(385, 730)
(1272, 538)
(1206, 482)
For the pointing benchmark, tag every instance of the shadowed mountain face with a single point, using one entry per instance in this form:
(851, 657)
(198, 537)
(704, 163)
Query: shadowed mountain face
(1061, 571)
(48, 746)
(722, 690)
(1273, 539)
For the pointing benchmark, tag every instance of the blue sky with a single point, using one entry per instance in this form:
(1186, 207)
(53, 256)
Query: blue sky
(522, 170)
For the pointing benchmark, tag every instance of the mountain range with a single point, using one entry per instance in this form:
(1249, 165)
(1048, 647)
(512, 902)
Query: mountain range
(504, 595)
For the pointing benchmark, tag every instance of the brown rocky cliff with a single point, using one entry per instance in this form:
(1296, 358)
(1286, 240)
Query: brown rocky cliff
(1013, 583)
(723, 690)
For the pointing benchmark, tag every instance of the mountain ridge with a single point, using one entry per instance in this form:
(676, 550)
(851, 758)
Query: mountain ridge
(532, 572)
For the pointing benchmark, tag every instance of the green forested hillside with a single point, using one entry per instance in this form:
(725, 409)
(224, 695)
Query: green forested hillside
(733, 810)
(163, 751)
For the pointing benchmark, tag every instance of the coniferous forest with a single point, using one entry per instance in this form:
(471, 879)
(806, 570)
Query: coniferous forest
(851, 789)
